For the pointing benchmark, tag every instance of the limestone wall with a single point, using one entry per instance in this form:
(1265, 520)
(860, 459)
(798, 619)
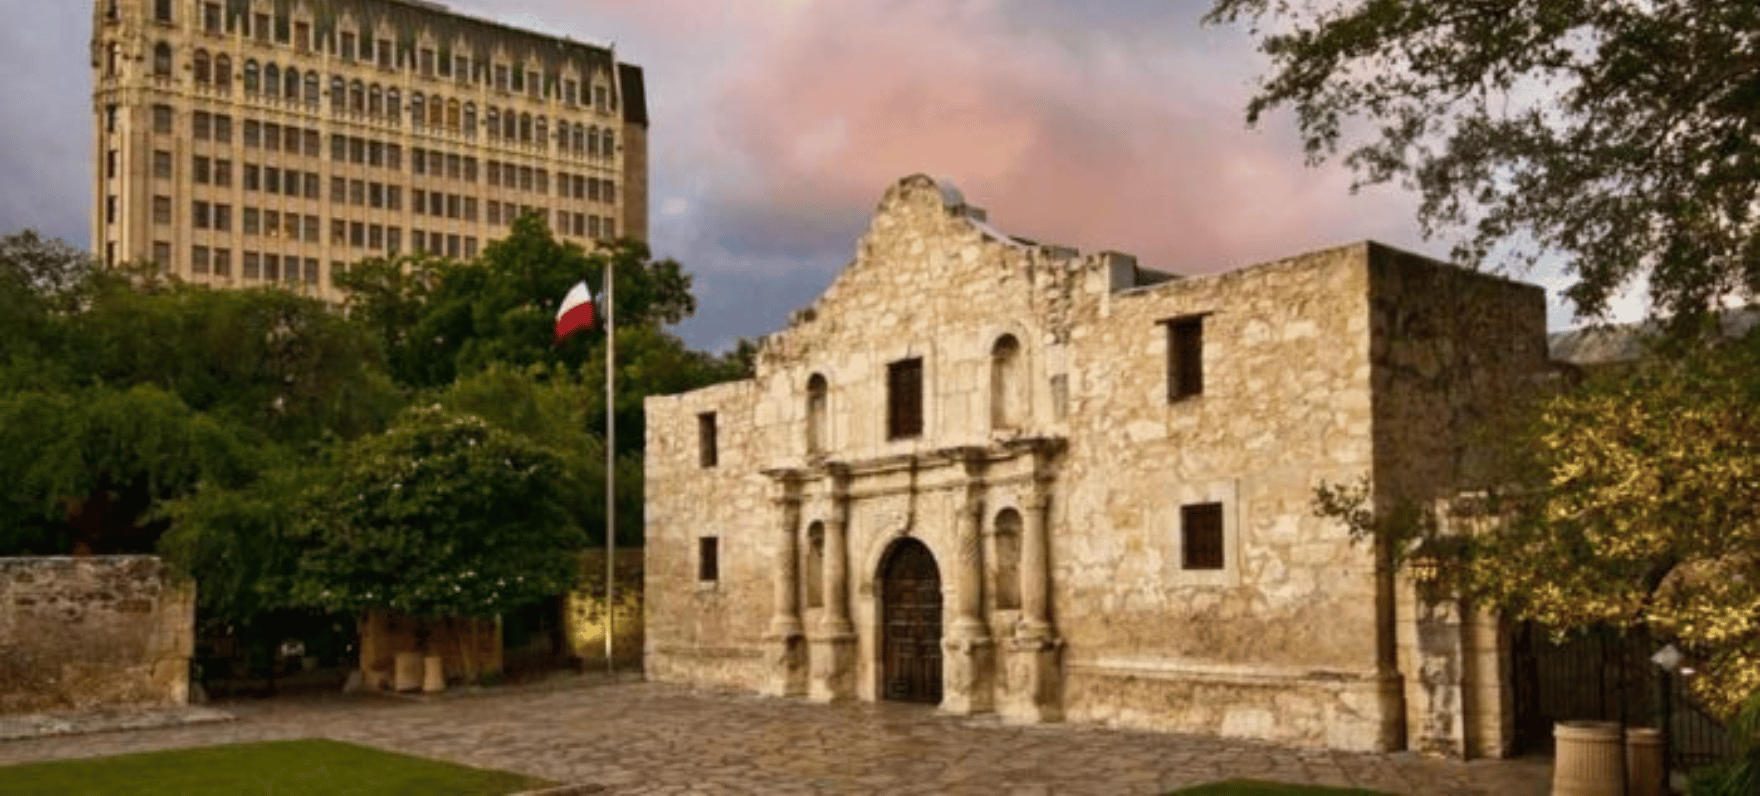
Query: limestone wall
(1452, 349)
(92, 632)
(585, 607)
(1281, 642)
(705, 631)
(1027, 347)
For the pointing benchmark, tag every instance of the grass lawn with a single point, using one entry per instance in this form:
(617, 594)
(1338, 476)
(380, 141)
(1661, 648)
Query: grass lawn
(276, 768)
(1254, 787)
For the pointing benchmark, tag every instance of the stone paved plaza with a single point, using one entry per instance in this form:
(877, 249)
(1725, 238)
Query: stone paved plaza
(649, 738)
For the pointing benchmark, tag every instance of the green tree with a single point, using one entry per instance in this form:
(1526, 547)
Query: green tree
(1617, 136)
(1629, 501)
(439, 320)
(441, 516)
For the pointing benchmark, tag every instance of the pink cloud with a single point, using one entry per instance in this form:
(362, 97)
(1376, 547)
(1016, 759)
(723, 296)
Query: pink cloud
(1104, 149)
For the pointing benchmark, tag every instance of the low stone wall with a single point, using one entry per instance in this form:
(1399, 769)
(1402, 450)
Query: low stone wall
(586, 612)
(86, 632)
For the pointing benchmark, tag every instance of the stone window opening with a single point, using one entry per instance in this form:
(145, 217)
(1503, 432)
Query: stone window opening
(813, 580)
(252, 76)
(817, 398)
(904, 399)
(1185, 357)
(162, 60)
(162, 11)
(1005, 383)
(708, 559)
(707, 453)
(1201, 536)
(1006, 538)
(223, 72)
(204, 68)
(271, 80)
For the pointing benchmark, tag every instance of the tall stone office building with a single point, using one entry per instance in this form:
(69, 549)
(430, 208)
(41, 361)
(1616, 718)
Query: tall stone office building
(249, 142)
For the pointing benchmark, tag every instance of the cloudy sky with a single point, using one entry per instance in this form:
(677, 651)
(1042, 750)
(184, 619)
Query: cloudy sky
(777, 124)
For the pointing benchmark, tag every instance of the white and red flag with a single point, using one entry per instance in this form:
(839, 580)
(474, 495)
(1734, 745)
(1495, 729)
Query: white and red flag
(576, 312)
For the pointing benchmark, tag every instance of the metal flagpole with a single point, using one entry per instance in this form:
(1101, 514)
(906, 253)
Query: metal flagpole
(610, 427)
(610, 467)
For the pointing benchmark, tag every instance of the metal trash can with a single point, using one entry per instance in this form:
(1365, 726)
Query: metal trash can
(1644, 761)
(1589, 760)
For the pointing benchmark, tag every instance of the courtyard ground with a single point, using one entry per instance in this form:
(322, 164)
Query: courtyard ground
(651, 738)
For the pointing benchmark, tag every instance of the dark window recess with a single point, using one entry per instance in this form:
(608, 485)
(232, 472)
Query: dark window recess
(707, 455)
(1201, 536)
(904, 399)
(1185, 358)
(709, 558)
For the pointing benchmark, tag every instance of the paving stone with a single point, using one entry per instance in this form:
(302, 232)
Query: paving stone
(651, 738)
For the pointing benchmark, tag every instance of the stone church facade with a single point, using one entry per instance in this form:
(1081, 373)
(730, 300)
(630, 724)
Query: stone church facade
(1003, 477)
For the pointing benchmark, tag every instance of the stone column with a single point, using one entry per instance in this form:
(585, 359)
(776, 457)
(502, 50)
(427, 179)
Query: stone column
(969, 663)
(1033, 693)
(834, 642)
(786, 643)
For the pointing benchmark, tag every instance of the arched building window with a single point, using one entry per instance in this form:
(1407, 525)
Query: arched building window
(1005, 383)
(452, 113)
(223, 72)
(252, 77)
(375, 101)
(817, 397)
(338, 94)
(580, 138)
(593, 141)
(312, 89)
(204, 68)
(813, 571)
(271, 80)
(162, 60)
(470, 120)
(357, 97)
(1007, 536)
(541, 133)
(394, 105)
(607, 144)
(436, 110)
(417, 109)
(290, 86)
(494, 122)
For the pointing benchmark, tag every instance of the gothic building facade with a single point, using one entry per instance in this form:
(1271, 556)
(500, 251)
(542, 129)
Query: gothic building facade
(250, 142)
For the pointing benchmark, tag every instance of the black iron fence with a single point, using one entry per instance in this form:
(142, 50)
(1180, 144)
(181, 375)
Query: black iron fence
(1608, 675)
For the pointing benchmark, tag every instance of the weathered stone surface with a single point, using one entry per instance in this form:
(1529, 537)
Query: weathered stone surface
(93, 632)
(1045, 376)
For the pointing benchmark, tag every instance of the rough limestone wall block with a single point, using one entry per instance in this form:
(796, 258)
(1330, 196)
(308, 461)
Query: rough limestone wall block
(93, 632)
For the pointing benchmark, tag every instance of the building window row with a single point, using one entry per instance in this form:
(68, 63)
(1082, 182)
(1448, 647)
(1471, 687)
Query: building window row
(443, 205)
(442, 164)
(591, 189)
(365, 152)
(272, 137)
(442, 244)
(276, 224)
(207, 171)
(205, 126)
(364, 47)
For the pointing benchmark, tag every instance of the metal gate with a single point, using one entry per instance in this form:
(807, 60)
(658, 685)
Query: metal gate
(1607, 675)
(911, 623)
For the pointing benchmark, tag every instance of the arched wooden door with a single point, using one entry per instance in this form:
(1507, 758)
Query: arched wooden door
(910, 624)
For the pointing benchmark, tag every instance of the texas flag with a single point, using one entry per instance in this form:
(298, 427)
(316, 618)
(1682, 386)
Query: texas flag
(576, 312)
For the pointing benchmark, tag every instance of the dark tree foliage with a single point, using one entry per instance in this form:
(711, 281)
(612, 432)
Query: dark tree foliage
(1621, 137)
(441, 320)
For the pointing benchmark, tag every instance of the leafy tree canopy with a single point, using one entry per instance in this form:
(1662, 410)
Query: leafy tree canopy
(439, 320)
(1618, 136)
(442, 516)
